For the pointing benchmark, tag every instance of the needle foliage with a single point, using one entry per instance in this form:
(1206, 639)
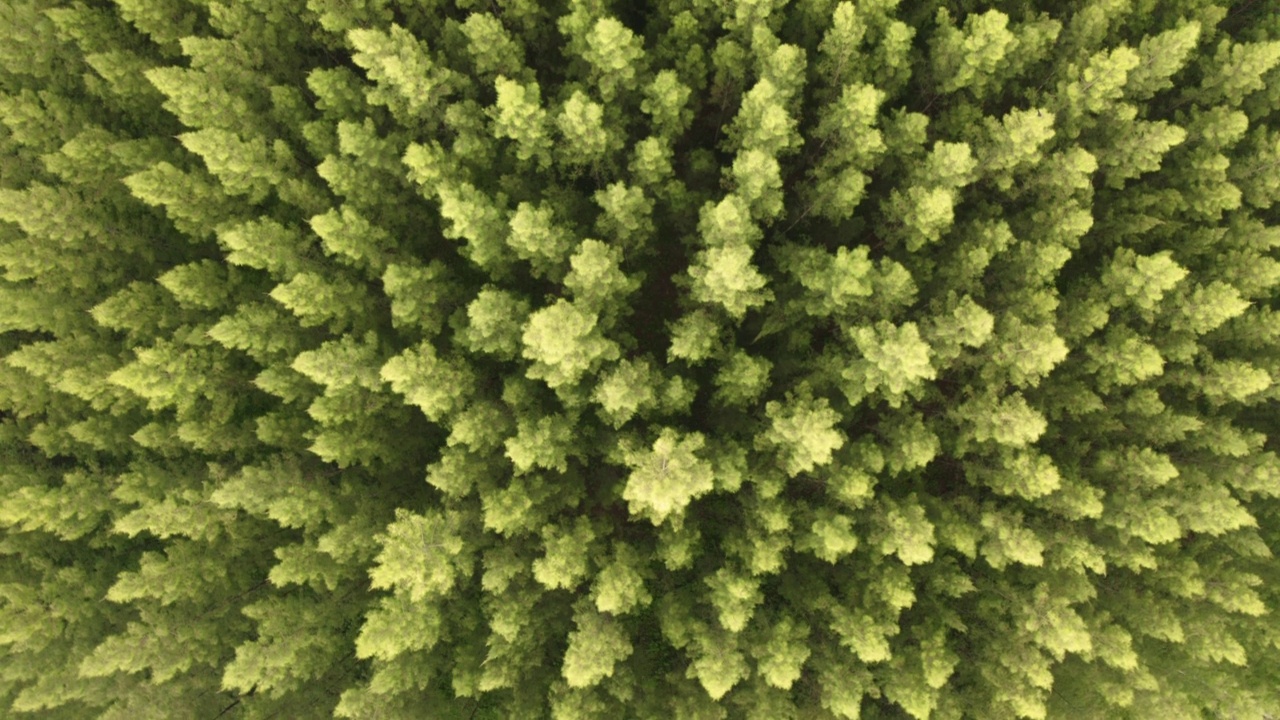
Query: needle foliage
(693, 359)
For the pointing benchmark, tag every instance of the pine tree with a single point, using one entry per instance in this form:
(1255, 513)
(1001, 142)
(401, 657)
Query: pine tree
(682, 359)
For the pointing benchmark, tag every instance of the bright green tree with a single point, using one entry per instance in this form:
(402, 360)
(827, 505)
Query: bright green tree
(684, 359)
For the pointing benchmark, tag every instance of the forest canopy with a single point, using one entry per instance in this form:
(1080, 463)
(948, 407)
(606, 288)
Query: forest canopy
(675, 359)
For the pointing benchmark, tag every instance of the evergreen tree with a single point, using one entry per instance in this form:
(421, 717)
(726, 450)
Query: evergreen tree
(684, 359)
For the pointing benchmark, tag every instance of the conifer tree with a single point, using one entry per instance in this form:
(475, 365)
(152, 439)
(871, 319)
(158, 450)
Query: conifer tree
(680, 359)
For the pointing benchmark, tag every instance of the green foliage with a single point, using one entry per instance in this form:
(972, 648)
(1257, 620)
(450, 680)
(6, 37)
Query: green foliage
(684, 359)
(595, 648)
(518, 115)
(613, 52)
(667, 477)
(419, 295)
(585, 141)
(564, 341)
(628, 389)
(437, 386)
(975, 56)
(803, 431)
(725, 277)
(407, 81)
(895, 360)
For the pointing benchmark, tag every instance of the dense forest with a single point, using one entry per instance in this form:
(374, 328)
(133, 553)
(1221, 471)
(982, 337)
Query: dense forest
(665, 359)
